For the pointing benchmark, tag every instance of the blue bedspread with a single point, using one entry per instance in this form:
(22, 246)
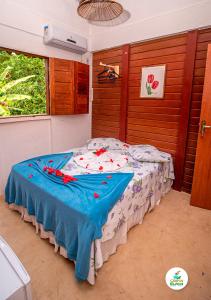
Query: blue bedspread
(74, 211)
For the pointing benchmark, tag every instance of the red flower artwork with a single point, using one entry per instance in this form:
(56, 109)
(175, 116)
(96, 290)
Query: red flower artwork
(100, 168)
(151, 84)
(150, 78)
(155, 84)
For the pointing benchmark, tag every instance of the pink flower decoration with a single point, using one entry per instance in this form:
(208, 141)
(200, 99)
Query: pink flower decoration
(96, 195)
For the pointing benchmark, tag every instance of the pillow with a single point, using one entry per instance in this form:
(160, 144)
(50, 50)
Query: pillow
(148, 153)
(107, 143)
(106, 161)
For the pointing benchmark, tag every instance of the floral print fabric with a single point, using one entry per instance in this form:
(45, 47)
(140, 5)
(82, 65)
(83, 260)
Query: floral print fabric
(107, 143)
(148, 153)
(147, 185)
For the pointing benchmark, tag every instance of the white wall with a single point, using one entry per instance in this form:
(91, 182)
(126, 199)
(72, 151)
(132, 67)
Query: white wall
(150, 19)
(21, 27)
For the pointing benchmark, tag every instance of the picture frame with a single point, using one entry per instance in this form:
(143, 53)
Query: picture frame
(153, 82)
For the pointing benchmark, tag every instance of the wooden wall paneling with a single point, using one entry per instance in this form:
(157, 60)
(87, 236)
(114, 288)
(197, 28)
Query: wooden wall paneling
(124, 92)
(106, 97)
(204, 37)
(156, 121)
(171, 123)
(185, 108)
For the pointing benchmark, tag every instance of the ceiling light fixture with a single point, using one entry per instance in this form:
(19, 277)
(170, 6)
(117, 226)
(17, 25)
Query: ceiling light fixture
(99, 10)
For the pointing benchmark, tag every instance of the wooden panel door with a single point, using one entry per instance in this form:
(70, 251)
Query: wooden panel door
(81, 105)
(201, 191)
(61, 77)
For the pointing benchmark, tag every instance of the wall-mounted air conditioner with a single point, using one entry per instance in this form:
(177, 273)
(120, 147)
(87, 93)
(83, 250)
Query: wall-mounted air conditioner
(60, 38)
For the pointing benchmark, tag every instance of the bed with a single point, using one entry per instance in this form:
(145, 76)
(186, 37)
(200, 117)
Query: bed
(148, 183)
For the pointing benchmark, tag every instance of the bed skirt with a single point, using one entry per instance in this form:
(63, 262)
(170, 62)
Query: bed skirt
(100, 250)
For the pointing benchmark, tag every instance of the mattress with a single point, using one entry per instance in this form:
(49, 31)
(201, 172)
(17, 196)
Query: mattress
(150, 182)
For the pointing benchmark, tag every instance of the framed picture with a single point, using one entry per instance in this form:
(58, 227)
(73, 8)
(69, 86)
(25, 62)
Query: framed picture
(152, 82)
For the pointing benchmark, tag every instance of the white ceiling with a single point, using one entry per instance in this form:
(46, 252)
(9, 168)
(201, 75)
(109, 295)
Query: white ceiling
(144, 9)
(66, 10)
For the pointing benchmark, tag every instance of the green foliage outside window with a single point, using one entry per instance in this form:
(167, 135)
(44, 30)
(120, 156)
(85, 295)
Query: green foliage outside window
(22, 85)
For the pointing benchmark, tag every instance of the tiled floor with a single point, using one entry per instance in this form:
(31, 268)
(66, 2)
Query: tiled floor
(174, 234)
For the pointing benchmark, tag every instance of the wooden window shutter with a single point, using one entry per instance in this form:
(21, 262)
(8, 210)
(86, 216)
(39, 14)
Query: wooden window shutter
(81, 88)
(69, 87)
(61, 86)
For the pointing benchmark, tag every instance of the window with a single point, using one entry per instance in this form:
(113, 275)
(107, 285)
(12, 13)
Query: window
(23, 84)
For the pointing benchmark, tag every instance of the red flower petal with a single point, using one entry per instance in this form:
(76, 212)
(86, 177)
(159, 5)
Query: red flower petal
(68, 178)
(50, 170)
(100, 168)
(111, 160)
(59, 173)
(96, 195)
(50, 161)
(109, 176)
(100, 151)
(45, 168)
(30, 165)
(81, 158)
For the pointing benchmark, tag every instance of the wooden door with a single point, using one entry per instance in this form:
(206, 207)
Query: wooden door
(201, 190)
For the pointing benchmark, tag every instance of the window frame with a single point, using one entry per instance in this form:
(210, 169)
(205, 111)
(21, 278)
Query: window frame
(46, 58)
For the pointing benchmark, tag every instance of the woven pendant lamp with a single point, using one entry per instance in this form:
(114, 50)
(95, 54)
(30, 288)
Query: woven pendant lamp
(99, 10)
